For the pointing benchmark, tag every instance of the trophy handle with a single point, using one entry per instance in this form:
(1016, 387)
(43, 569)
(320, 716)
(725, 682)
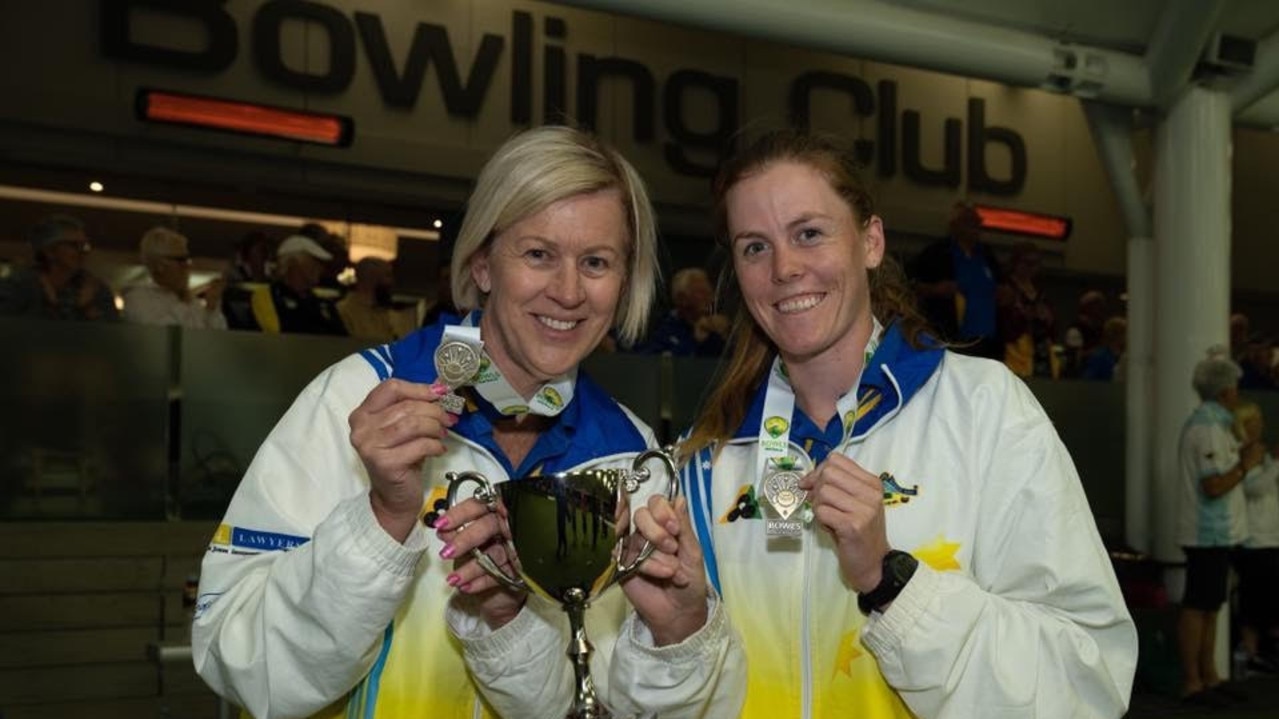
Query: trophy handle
(637, 476)
(488, 495)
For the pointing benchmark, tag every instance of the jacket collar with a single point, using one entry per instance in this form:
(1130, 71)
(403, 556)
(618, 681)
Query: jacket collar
(892, 377)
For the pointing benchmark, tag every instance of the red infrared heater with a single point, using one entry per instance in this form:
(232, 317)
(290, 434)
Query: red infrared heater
(1019, 222)
(244, 118)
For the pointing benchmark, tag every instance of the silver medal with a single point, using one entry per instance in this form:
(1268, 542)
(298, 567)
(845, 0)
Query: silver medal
(456, 364)
(781, 489)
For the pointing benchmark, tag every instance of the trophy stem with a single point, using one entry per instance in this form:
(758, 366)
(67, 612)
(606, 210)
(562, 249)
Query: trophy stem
(585, 704)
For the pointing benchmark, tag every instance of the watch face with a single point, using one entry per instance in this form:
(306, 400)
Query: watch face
(901, 566)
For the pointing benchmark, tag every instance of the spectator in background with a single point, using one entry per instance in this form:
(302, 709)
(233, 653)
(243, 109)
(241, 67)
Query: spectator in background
(339, 257)
(1255, 363)
(166, 299)
(1211, 520)
(58, 286)
(1258, 560)
(249, 273)
(1239, 331)
(289, 304)
(368, 310)
(248, 264)
(443, 297)
(1105, 358)
(1026, 320)
(955, 280)
(690, 329)
(1085, 335)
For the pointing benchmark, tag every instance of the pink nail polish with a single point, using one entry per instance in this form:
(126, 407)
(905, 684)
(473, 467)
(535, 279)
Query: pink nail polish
(441, 523)
(453, 580)
(448, 551)
(440, 388)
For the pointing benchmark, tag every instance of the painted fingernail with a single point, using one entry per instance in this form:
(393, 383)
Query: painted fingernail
(441, 523)
(465, 588)
(453, 580)
(448, 551)
(440, 388)
(453, 419)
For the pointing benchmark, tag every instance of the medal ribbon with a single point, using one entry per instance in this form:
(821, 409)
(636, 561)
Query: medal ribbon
(549, 400)
(779, 409)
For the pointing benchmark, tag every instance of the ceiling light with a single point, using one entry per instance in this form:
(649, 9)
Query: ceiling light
(438, 224)
(96, 186)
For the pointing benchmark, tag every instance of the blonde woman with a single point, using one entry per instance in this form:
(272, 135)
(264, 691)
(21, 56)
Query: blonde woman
(325, 593)
(1258, 559)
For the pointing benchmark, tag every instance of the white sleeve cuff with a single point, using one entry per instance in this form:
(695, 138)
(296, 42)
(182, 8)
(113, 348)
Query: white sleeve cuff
(704, 642)
(884, 632)
(371, 540)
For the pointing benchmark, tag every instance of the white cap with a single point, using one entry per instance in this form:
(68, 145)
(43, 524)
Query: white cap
(296, 244)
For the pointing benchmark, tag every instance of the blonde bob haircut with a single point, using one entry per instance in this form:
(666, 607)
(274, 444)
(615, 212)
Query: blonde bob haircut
(537, 168)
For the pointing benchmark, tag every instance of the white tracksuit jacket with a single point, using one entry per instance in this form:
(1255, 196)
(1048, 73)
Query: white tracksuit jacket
(1014, 610)
(308, 608)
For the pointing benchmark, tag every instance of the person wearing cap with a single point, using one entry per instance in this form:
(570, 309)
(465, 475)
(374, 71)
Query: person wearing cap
(289, 304)
(58, 286)
(166, 298)
(1211, 520)
(368, 310)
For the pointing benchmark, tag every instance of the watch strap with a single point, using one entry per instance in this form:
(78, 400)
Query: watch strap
(897, 569)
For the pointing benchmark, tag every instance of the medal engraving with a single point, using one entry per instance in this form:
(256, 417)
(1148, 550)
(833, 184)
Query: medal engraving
(456, 364)
(781, 489)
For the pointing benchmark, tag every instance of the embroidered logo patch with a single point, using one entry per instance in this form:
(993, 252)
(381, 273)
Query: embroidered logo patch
(746, 506)
(894, 493)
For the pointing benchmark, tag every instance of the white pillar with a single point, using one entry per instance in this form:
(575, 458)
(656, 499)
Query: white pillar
(1111, 128)
(1192, 289)
(1192, 277)
(1139, 394)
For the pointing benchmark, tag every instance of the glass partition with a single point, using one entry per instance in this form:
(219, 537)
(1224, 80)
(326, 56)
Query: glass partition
(1091, 421)
(235, 387)
(102, 418)
(83, 431)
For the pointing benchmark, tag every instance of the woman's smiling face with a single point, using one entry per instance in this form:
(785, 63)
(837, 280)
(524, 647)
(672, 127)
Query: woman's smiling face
(801, 256)
(553, 280)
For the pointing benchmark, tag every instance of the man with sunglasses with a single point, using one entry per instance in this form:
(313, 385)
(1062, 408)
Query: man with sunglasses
(58, 286)
(166, 298)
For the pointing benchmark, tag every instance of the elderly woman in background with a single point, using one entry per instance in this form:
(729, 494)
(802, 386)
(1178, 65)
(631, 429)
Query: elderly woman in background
(166, 299)
(557, 247)
(59, 286)
(896, 529)
(1211, 520)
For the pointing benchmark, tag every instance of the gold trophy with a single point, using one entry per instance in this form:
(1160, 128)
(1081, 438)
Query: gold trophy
(567, 534)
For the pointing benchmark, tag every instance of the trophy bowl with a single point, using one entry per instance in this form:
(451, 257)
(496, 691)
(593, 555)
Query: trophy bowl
(568, 532)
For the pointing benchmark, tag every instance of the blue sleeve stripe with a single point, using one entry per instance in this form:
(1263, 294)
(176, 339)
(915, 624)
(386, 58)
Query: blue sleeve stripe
(380, 365)
(385, 352)
(375, 675)
(697, 487)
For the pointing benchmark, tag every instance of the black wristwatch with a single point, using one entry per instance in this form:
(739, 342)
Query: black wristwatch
(898, 568)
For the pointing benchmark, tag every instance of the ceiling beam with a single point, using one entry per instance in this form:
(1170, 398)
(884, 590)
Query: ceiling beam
(1261, 81)
(888, 33)
(1183, 30)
